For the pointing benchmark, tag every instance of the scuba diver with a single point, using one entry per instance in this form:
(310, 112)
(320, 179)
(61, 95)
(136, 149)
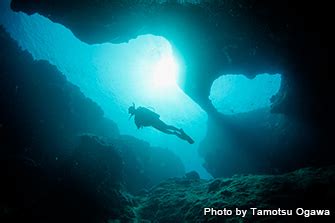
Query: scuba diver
(145, 117)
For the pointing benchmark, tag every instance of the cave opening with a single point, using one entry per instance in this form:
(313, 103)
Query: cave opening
(234, 93)
(142, 71)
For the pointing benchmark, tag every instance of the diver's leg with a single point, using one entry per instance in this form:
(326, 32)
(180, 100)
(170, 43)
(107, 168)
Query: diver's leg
(180, 135)
(161, 126)
(167, 131)
(172, 128)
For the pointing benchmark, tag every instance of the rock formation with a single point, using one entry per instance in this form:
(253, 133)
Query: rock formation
(53, 165)
(184, 200)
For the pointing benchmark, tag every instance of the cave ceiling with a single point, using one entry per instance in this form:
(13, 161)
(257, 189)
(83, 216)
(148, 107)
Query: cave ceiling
(212, 38)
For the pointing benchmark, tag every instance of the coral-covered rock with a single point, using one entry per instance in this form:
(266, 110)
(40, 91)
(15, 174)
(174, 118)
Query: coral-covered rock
(182, 200)
(192, 175)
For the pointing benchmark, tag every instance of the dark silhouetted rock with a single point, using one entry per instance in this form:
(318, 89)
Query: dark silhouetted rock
(97, 169)
(41, 113)
(193, 175)
(146, 166)
(55, 162)
(261, 142)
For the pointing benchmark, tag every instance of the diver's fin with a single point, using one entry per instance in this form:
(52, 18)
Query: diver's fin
(186, 137)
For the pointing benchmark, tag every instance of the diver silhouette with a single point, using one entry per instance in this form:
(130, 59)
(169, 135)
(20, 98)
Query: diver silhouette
(144, 117)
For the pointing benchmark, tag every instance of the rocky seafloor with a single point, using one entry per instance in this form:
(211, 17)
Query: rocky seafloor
(90, 186)
(184, 199)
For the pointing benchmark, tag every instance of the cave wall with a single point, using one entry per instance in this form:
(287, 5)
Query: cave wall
(261, 142)
(43, 116)
(41, 112)
(50, 171)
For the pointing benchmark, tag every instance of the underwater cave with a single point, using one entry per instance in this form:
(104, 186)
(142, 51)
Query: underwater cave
(237, 77)
(143, 71)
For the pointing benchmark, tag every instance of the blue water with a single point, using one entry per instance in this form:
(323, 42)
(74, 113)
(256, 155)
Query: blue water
(143, 71)
(232, 94)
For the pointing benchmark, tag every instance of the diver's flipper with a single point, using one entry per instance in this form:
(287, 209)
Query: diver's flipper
(186, 137)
